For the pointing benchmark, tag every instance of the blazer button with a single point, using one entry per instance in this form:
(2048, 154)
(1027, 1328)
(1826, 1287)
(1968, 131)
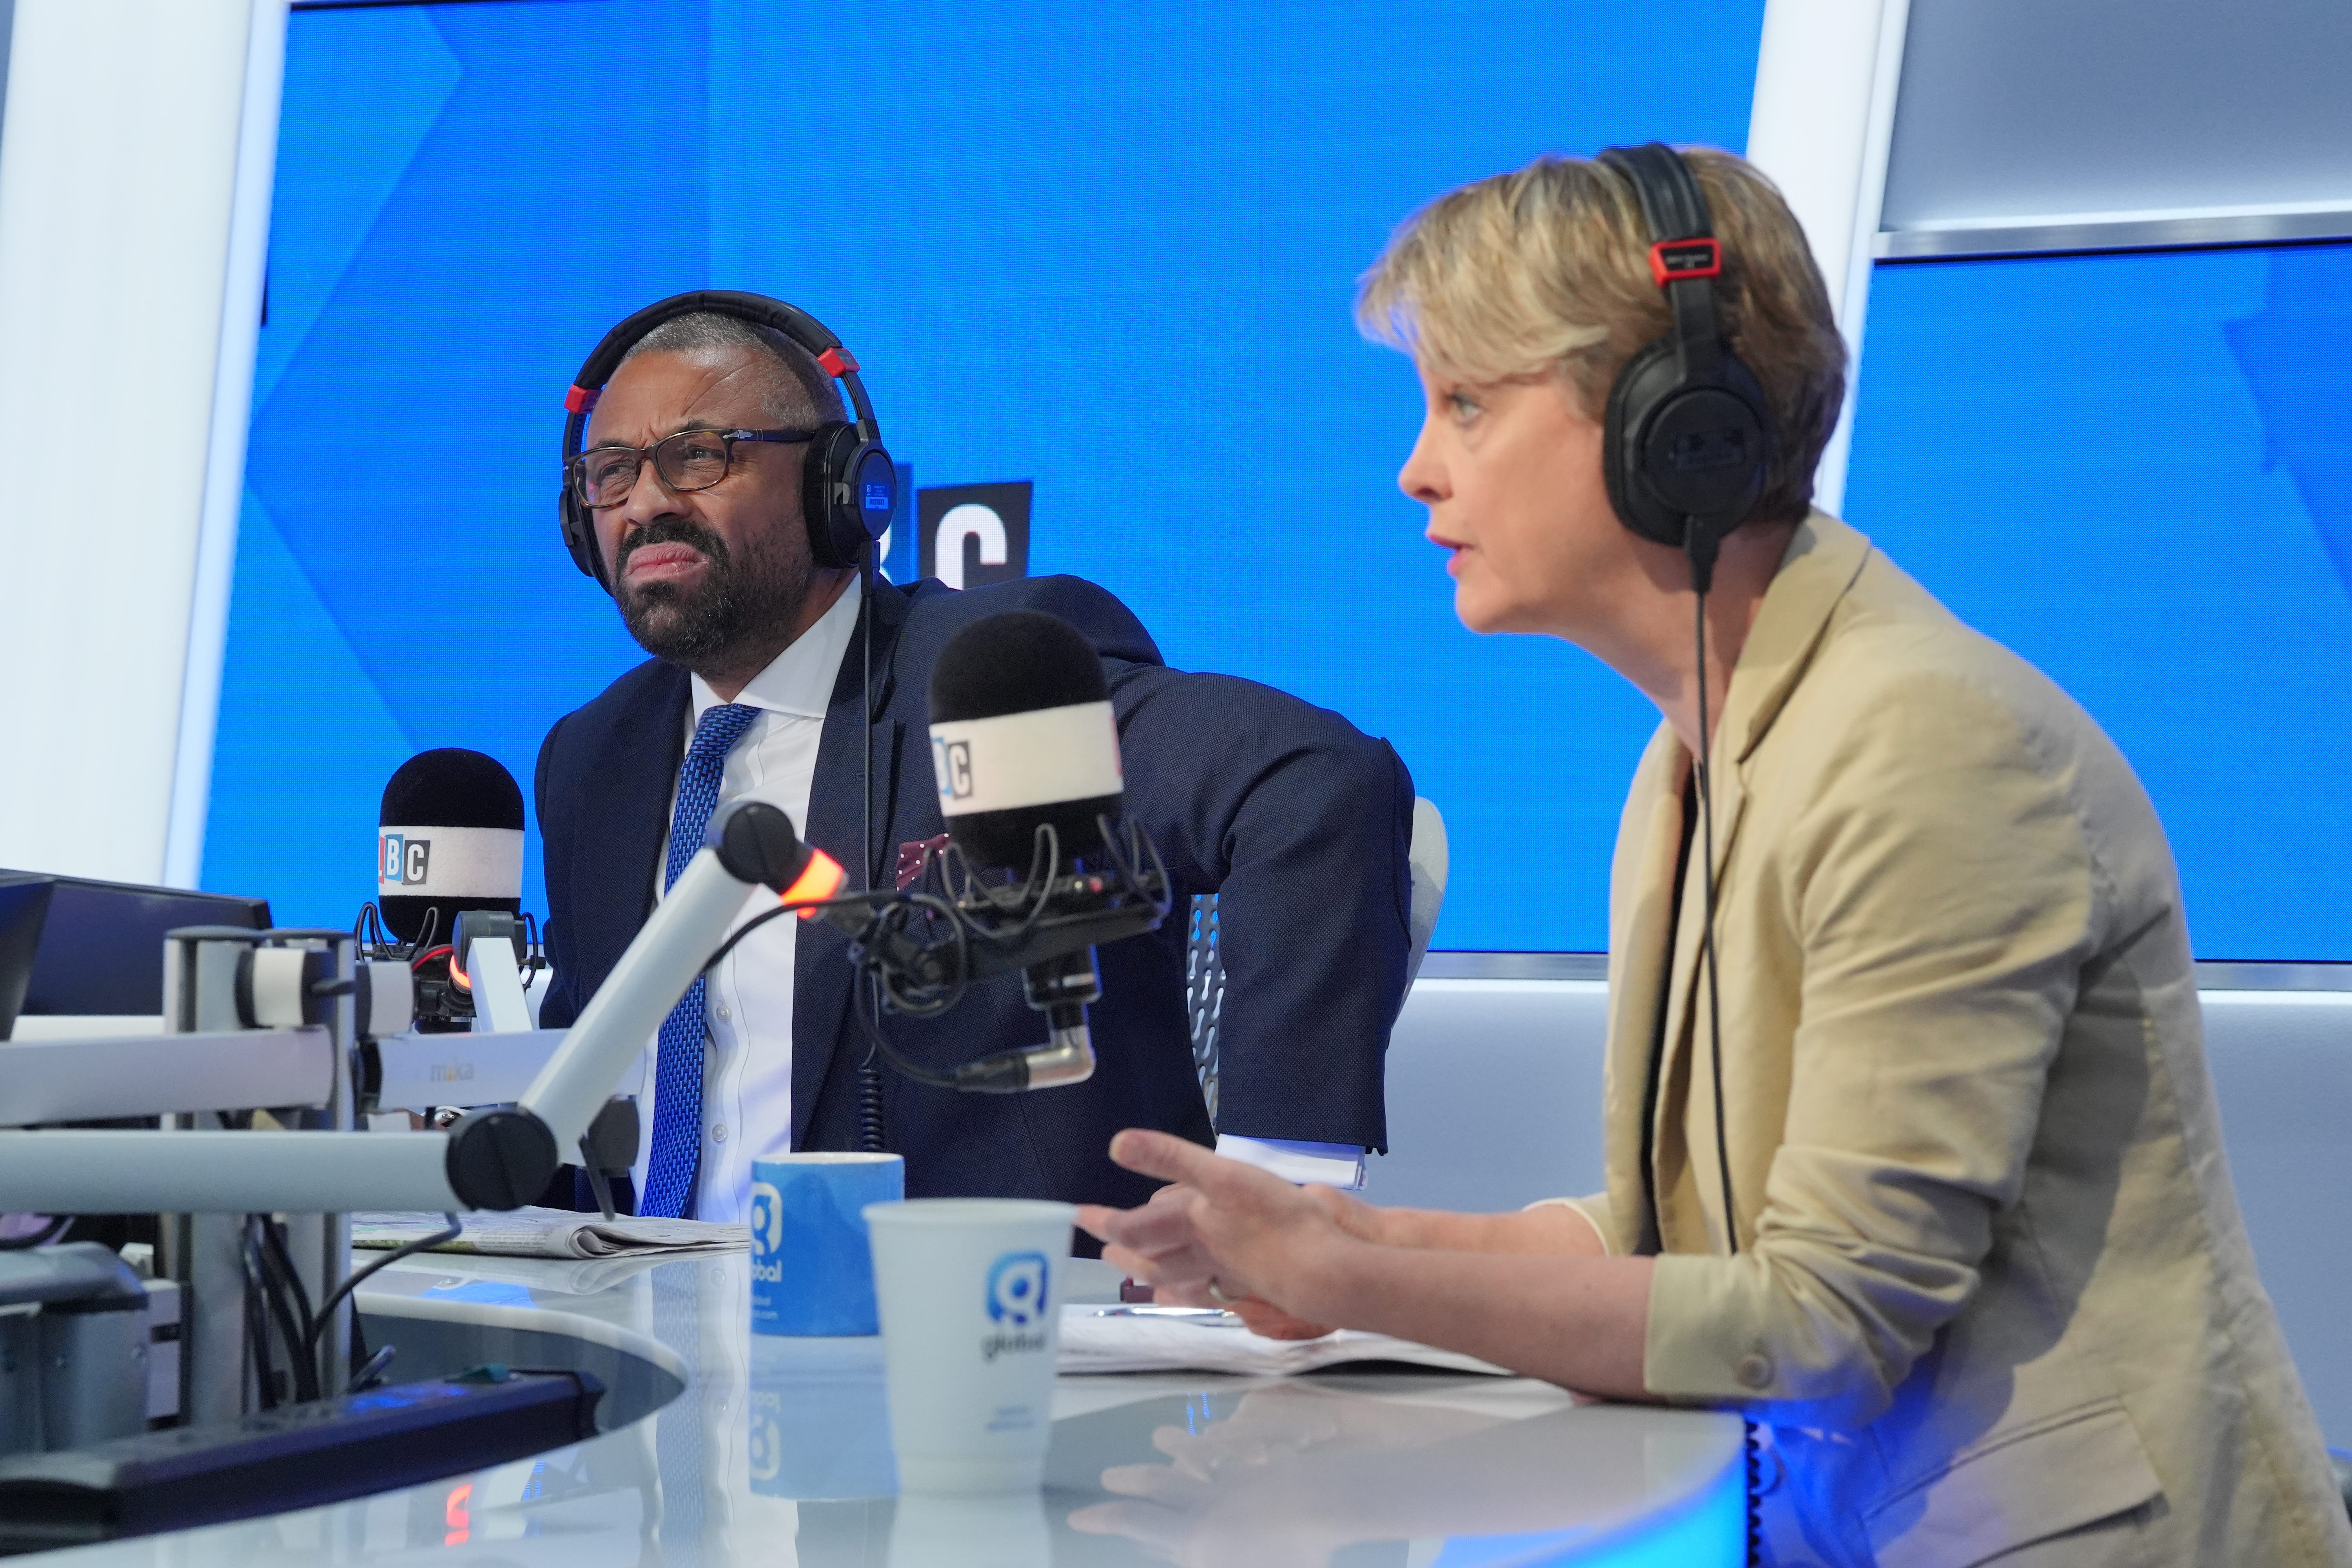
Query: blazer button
(1754, 1372)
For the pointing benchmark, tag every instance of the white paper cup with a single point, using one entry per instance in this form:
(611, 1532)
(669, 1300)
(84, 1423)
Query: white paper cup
(970, 1292)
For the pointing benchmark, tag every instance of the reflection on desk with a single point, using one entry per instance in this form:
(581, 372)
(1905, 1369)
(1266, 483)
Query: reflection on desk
(724, 1448)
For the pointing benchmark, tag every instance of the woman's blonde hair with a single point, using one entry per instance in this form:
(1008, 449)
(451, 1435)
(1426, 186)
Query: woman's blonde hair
(1546, 271)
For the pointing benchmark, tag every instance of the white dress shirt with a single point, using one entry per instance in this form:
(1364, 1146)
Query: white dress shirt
(746, 1068)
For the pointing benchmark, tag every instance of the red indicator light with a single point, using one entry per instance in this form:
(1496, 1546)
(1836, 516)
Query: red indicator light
(819, 880)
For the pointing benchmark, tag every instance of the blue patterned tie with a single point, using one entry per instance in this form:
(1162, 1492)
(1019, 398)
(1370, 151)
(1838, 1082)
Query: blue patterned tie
(677, 1071)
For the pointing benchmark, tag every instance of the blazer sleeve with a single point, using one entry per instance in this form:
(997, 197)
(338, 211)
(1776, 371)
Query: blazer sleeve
(1942, 892)
(559, 1009)
(1300, 824)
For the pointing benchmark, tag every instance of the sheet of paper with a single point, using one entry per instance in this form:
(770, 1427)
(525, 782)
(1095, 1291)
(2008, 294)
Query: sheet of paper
(1104, 1340)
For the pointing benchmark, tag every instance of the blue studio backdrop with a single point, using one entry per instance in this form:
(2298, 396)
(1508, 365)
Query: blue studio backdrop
(1110, 251)
(1111, 256)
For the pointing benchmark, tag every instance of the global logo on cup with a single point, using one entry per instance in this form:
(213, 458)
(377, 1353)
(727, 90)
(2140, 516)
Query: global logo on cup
(1017, 1289)
(767, 1232)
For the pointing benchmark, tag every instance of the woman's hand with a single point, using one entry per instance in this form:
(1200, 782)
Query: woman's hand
(1262, 1243)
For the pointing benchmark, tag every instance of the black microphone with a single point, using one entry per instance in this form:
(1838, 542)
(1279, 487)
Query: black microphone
(448, 838)
(1025, 749)
(449, 842)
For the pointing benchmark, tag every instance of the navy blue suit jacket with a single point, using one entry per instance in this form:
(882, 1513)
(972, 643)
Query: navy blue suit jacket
(1296, 818)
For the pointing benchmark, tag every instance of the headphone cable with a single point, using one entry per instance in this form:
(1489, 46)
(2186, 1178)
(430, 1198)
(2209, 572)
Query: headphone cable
(1702, 555)
(873, 1126)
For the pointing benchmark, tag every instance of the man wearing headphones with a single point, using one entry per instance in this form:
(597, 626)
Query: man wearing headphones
(717, 487)
(1912, 1155)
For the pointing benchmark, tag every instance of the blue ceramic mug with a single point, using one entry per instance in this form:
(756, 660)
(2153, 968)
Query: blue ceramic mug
(812, 1271)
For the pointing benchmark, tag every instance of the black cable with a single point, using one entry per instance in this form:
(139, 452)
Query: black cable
(883, 1049)
(866, 713)
(273, 1237)
(764, 916)
(289, 1304)
(873, 1123)
(1706, 939)
(873, 1132)
(370, 1371)
(405, 1249)
(256, 1322)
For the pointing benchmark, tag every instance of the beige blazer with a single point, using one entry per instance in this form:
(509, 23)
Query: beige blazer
(1992, 1284)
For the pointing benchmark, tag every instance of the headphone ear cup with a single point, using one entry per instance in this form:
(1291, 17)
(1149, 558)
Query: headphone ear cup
(822, 477)
(848, 491)
(579, 535)
(1675, 455)
(1646, 381)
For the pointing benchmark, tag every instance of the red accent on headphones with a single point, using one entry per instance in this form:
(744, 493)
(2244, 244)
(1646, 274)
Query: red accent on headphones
(1673, 260)
(580, 399)
(836, 361)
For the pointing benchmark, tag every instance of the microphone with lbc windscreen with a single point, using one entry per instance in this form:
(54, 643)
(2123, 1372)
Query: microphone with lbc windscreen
(1039, 868)
(449, 845)
(1025, 749)
(449, 837)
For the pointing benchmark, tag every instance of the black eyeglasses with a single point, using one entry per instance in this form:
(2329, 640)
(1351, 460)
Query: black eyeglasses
(689, 461)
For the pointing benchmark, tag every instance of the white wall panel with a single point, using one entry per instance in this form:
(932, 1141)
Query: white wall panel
(117, 176)
(1825, 87)
(2018, 111)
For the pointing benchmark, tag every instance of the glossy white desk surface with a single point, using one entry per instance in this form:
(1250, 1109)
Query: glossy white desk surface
(1353, 1470)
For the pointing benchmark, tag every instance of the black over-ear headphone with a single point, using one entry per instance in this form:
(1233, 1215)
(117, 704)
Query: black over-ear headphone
(1684, 451)
(848, 487)
(1685, 440)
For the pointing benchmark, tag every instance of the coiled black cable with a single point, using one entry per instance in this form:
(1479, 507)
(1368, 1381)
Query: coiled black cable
(873, 1129)
(1755, 1454)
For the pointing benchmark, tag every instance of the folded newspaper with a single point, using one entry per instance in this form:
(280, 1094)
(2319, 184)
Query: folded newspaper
(1161, 1338)
(552, 1233)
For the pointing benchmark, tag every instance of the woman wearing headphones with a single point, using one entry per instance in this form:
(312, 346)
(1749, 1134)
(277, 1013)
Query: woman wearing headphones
(1912, 1152)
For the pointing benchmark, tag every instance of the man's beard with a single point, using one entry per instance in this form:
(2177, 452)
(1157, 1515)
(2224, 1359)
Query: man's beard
(739, 604)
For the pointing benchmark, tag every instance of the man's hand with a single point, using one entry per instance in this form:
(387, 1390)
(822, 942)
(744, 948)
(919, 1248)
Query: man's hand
(1265, 1244)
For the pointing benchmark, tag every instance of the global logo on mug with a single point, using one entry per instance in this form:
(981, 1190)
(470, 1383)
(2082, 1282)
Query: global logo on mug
(767, 1232)
(1017, 1291)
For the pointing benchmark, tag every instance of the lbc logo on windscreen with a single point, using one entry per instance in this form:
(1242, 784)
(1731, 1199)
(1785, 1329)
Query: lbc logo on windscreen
(403, 860)
(951, 762)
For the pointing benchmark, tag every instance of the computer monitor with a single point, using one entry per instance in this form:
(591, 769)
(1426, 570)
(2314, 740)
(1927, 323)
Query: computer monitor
(22, 907)
(100, 947)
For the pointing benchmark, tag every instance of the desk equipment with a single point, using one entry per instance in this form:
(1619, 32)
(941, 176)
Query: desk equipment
(95, 954)
(73, 1348)
(294, 1457)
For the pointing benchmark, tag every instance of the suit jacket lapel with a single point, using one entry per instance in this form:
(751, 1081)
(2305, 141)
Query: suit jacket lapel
(1641, 883)
(1823, 558)
(1686, 1174)
(821, 974)
(625, 814)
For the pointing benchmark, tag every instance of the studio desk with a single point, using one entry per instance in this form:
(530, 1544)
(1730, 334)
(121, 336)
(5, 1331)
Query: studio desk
(723, 1448)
